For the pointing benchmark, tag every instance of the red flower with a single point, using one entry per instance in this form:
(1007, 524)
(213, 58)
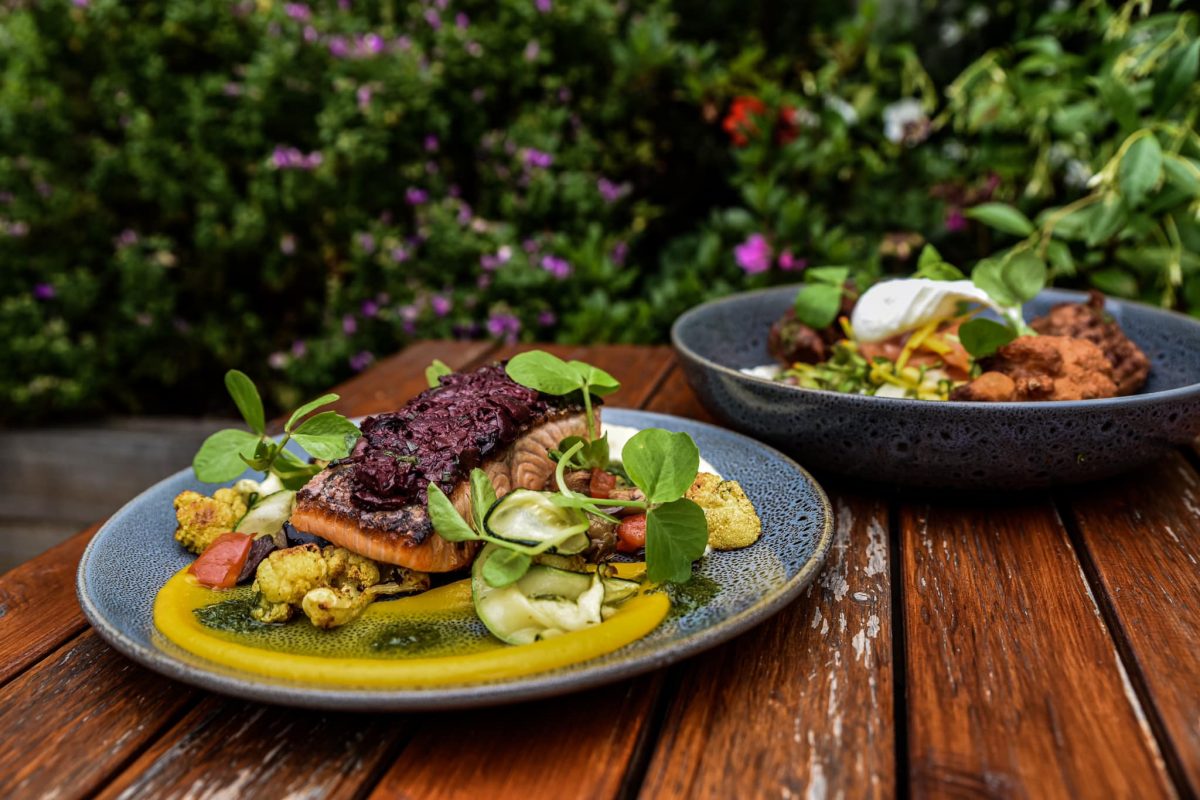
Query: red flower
(740, 123)
(788, 127)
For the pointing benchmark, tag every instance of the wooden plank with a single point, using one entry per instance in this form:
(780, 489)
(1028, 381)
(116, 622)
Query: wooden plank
(231, 748)
(1141, 539)
(77, 716)
(38, 609)
(576, 746)
(801, 705)
(676, 397)
(1014, 685)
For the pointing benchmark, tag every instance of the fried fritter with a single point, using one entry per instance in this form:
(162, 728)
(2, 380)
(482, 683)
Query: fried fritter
(1042, 368)
(1090, 321)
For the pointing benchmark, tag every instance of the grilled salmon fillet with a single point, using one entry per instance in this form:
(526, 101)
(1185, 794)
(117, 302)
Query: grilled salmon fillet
(374, 502)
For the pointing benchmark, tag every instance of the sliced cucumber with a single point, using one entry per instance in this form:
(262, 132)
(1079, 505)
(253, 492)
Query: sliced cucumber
(546, 602)
(526, 517)
(268, 514)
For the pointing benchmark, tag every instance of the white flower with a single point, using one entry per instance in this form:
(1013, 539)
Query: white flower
(1077, 175)
(978, 16)
(905, 121)
(950, 34)
(843, 109)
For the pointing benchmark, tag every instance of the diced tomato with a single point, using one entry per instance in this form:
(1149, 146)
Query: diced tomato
(631, 534)
(602, 484)
(218, 566)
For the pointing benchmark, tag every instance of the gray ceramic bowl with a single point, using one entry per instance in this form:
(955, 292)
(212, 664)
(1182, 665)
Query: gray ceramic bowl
(945, 444)
(133, 554)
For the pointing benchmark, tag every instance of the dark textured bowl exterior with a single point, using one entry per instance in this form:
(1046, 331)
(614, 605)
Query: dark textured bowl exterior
(945, 444)
(133, 554)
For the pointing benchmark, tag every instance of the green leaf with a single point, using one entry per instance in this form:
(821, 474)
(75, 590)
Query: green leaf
(1002, 217)
(504, 567)
(982, 337)
(435, 371)
(591, 455)
(1176, 77)
(833, 276)
(546, 373)
(598, 381)
(817, 305)
(989, 276)
(1114, 281)
(676, 535)
(1140, 170)
(1182, 173)
(1107, 221)
(483, 497)
(445, 518)
(245, 396)
(662, 464)
(1120, 102)
(1060, 258)
(1025, 275)
(328, 435)
(219, 459)
(309, 407)
(931, 265)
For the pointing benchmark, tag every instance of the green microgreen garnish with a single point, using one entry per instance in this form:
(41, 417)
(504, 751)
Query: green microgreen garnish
(931, 265)
(549, 374)
(435, 371)
(982, 337)
(226, 454)
(820, 298)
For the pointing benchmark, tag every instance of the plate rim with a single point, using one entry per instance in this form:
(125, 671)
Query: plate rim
(530, 687)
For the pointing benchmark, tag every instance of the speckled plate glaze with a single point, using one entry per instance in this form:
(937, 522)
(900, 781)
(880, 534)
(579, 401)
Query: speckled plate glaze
(981, 446)
(133, 554)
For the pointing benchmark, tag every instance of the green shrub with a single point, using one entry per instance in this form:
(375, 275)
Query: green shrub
(190, 185)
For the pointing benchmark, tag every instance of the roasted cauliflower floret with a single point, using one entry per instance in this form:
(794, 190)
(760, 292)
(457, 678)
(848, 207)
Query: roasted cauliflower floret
(202, 519)
(331, 586)
(732, 520)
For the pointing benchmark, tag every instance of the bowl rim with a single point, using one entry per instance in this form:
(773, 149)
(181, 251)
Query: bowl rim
(1130, 401)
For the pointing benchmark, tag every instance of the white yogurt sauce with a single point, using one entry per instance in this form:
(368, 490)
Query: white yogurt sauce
(894, 307)
(618, 435)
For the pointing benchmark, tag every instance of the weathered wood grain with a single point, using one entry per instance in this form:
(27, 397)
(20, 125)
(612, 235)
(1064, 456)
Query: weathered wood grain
(801, 706)
(231, 748)
(1014, 685)
(77, 716)
(38, 609)
(675, 396)
(1140, 536)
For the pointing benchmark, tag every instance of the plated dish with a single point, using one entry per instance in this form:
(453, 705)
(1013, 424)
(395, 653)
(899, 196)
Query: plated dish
(965, 444)
(549, 622)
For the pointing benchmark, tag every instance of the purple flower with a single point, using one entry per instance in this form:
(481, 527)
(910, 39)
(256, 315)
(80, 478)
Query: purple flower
(532, 49)
(504, 326)
(440, 304)
(291, 158)
(343, 5)
(415, 197)
(431, 167)
(619, 252)
(461, 20)
(363, 95)
(753, 255)
(310, 34)
(349, 324)
(483, 281)
(298, 11)
(371, 44)
(955, 221)
(370, 308)
(127, 238)
(494, 262)
(338, 48)
(299, 348)
(399, 255)
(81, 3)
(475, 50)
(464, 214)
(18, 229)
(536, 158)
(434, 19)
(232, 89)
(365, 242)
(431, 143)
(44, 291)
(556, 266)
(611, 192)
(361, 360)
(546, 319)
(543, 6)
(789, 263)
(287, 244)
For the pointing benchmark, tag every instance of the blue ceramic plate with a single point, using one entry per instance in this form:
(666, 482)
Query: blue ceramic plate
(946, 444)
(132, 556)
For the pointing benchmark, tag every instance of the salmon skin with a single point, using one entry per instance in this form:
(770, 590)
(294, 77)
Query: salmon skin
(375, 501)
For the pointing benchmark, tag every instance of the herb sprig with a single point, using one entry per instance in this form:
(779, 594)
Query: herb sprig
(226, 453)
(820, 298)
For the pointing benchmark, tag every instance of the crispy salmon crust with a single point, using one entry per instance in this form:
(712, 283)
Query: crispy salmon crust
(404, 536)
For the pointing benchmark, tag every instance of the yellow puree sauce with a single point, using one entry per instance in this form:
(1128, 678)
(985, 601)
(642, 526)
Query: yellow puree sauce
(430, 639)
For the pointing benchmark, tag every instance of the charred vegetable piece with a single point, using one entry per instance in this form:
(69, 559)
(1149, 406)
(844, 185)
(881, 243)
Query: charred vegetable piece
(260, 548)
(220, 565)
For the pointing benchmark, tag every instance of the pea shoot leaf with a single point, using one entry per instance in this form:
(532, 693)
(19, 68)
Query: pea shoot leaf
(309, 407)
(676, 535)
(435, 371)
(1011, 281)
(504, 567)
(327, 435)
(220, 458)
(483, 497)
(931, 265)
(544, 372)
(982, 337)
(662, 464)
(831, 276)
(597, 381)
(817, 304)
(245, 396)
(446, 520)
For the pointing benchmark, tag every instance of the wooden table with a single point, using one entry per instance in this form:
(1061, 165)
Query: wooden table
(1039, 646)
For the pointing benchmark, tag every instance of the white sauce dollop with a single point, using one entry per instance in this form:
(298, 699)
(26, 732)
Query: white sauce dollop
(618, 435)
(895, 307)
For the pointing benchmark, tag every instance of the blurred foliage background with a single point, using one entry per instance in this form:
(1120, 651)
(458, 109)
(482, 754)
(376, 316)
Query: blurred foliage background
(297, 188)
